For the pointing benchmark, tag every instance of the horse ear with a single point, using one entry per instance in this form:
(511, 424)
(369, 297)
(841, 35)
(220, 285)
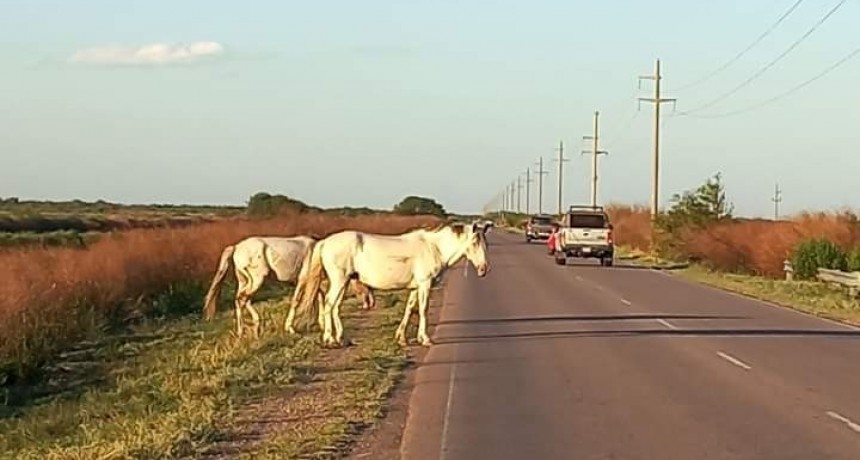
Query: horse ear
(474, 227)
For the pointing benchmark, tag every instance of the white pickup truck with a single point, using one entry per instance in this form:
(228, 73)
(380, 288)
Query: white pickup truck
(585, 232)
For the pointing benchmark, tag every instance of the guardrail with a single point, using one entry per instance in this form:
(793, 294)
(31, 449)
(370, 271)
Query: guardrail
(850, 280)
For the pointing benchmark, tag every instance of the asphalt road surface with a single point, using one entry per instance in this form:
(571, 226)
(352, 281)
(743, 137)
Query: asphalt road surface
(540, 361)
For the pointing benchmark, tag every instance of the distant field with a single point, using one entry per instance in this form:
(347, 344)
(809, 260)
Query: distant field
(45, 217)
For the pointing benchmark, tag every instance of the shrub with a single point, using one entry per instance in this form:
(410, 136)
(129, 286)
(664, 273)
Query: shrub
(632, 225)
(811, 255)
(417, 205)
(854, 260)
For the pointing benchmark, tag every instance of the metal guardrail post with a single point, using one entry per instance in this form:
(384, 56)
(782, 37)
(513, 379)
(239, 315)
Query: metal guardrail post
(788, 269)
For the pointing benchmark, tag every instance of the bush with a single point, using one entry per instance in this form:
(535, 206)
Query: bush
(632, 225)
(416, 206)
(813, 254)
(854, 260)
(263, 204)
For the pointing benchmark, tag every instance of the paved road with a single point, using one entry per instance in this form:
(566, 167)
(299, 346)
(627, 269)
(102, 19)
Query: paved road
(539, 361)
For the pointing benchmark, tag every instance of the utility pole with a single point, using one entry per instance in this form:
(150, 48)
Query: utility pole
(561, 159)
(528, 190)
(594, 153)
(657, 100)
(513, 186)
(505, 199)
(777, 199)
(540, 173)
(519, 194)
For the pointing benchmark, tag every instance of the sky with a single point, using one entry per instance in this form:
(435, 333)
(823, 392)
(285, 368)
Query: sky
(362, 103)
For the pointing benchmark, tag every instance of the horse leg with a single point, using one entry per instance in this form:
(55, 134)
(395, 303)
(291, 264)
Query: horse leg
(334, 295)
(320, 310)
(338, 325)
(291, 315)
(400, 335)
(423, 300)
(239, 301)
(257, 277)
(288, 323)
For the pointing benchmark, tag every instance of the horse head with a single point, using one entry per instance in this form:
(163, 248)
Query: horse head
(476, 249)
(460, 240)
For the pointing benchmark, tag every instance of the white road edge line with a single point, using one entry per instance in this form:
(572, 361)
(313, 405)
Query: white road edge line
(854, 426)
(626, 302)
(443, 450)
(733, 360)
(667, 324)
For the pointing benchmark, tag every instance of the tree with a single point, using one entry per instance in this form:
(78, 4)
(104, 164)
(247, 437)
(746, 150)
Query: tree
(412, 205)
(698, 208)
(265, 204)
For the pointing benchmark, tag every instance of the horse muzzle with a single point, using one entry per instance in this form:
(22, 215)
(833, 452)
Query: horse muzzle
(482, 270)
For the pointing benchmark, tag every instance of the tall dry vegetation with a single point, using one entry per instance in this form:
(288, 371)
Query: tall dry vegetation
(51, 298)
(631, 225)
(742, 245)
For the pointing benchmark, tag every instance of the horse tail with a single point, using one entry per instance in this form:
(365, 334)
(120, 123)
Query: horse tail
(308, 285)
(215, 288)
(301, 278)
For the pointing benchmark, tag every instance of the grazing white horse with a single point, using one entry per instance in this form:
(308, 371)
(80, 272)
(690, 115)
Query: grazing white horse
(254, 258)
(409, 261)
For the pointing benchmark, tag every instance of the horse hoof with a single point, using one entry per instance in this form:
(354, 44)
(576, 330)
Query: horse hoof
(290, 330)
(425, 341)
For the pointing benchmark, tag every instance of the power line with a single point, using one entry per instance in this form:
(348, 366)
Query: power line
(619, 134)
(785, 94)
(770, 64)
(745, 50)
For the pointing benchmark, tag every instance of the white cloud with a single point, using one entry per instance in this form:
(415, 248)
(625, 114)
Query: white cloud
(154, 53)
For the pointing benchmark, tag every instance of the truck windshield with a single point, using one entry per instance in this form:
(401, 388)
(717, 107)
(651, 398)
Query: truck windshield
(586, 221)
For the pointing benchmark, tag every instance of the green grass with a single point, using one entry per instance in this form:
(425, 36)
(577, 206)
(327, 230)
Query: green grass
(183, 388)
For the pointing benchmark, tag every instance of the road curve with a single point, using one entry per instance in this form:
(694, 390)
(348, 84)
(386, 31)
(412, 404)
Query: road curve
(539, 361)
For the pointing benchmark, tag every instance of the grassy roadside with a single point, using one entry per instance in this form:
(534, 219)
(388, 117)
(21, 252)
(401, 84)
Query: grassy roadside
(810, 297)
(189, 389)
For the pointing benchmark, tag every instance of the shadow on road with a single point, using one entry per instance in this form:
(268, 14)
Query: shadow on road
(525, 319)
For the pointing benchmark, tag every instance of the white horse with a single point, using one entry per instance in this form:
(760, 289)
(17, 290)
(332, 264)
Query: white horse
(409, 261)
(254, 258)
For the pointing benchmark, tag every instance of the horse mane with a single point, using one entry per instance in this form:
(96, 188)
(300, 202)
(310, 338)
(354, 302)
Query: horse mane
(456, 227)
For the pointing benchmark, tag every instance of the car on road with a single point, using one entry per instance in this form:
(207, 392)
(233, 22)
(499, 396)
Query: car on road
(585, 232)
(539, 227)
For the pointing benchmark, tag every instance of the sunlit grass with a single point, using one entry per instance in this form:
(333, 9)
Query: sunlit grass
(185, 388)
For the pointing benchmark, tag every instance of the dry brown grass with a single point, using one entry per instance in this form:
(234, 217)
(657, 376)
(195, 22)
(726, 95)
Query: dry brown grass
(50, 298)
(754, 246)
(632, 225)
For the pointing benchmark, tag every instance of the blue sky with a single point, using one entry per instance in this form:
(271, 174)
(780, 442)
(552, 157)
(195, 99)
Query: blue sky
(362, 103)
